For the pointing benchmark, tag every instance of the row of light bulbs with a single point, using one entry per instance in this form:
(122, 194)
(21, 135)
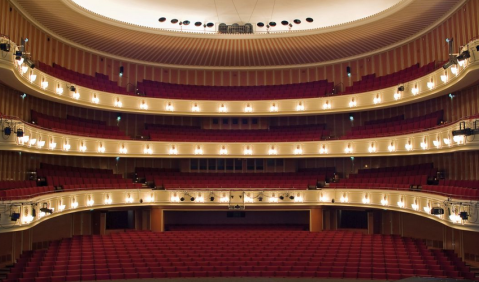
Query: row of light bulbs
(248, 107)
(248, 150)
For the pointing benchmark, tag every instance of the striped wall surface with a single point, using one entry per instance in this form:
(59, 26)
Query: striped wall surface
(462, 25)
(465, 103)
(458, 165)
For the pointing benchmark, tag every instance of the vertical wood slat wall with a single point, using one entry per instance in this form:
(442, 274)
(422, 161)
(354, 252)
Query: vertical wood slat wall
(465, 103)
(462, 26)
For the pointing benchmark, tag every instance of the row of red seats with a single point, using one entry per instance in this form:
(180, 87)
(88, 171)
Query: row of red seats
(64, 168)
(384, 120)
(438, 115)
(430, 172)
(371, 82)
(400, 183)
(395, 169)
(452, 191)
(12, 184)
(62, 262)
(24, 193)
(395, 128)
(460, 183)
(195, 92)
(43, 172)
(61, 181)
(99, 82)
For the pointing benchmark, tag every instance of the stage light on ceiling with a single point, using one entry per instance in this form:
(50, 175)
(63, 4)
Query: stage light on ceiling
(198, 23)
(210, 25)
(174, 21)
(260, 24)
(272, 24)
(309, 20)
(162, 19)
(186, 22)
(284, 22)
(297, 21)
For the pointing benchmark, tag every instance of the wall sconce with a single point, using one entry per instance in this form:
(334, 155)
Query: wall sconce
(90, 201)
(300, 106)
(424, 144)
(415, 205)
(82, 147)
(372, 148)
(273, 198)
(272, 150)
(377, 99)
(273, 108)
(459, 139)
(66, 146)
(352, 103)
(118, 103)
(323, 150)
(123, 149)
(430, 84)
(248, 150)
(143, 105)
(74, 203)
(326, 105)
(344, 198)
(444, 77)
(101, 149)
(147, 150)
(200, 198)
(129, 199)
(224, 198)
(366, 199)
(52, 145)
(95, 99)
(76, 95)
(33, 77)
(408, 145)
(175, 198)
(173, 150)
(195, 108)
(169, 107)
(415, 90)
(223, 150)
(248, 108)
(298, 150)
(223, 108)
(384, 200)
(248, 198)
(150, 198)
(198, 150)
(391, 147)
(61, 206)
(348, 149)
(401, 203)
(447, 141)
(436, 143)
(27, 218)
(108, 200)
(323, 198)
(59, 89)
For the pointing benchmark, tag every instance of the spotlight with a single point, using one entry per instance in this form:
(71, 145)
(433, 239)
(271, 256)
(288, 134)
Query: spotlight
(237, 207)
(281, 198)
(18, 55)
(30, 63)
(7, 131)
(464, 215)
(192, 199)
(174, 21)
(260, 199)
(5, 47)
(348, 71)
(464, 55)
(260, 24)
(72, 88)
(309, 20)
(284, 22)
(15, 216)
(437, 211)
(401, 88)
(197, 23)
(212, 198)
(272, 24)
(210, 24)
(332, 201)
(46, 210)
(121, 71)
(19, 132)
(186, 22)
(182, 199)
(297, 21)
(162, 19)
(291, 197)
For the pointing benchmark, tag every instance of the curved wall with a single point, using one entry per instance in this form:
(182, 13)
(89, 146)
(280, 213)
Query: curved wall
(462, 26)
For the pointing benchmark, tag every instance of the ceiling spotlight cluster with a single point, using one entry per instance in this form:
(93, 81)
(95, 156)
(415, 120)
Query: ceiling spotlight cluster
(283, 22)
(187, 22)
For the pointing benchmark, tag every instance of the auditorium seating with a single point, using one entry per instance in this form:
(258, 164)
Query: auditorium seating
(99, 82)
(463, 189)
(396, 178)
(13, 190)
(309, 132)
(77, 178)
(236, 253)
(370, 82)
(395, 126)
(174, 180)
(227, 93)
(78, 126)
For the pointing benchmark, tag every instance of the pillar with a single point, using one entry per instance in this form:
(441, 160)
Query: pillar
(316, 219)
(157, 219)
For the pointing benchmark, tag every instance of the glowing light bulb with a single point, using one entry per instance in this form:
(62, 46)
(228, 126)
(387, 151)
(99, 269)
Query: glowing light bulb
(459, 139)
(223, 150)
(344, 198)
(143, 105)
(59, 90)
(436, 143)
(118, 103)
(430, 85)
(326, 105)
(248, 108)
(408, 146)
(300, 107)
(147, 150)
(44, 84)
(223, 108)
(298, 150)
(323, 150)
(248, 151)
(372, 148)
(198, 150)
(454, 70)
(397, 96)
(248, 198)
(195, 108)
(377, 99)
(66, 147)
(95, 99)
(348, 149)
(352, 103)
(273, 151)
(169, 107)
(273, 108)
(391, 147)
(384, 201)
(173, 150)
(415, 90)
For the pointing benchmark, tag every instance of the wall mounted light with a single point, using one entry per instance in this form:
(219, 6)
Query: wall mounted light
(300, 106)
(384, 200)
(82, 147)
(195, 108)
(348, 149)
(129, 199)
(123, 149)
(143, 105)
(198, 150)
(415, 90)
(66, 146)
(101, 149)
(424, 144)
(90, 201)
(247, 150)
(415, 205)
(408, 145)
(95, 99)
(169, 107)
(372, 148)
(298, 150)
(223, 150)
(248, 108)
(326, 105)
(323, 150)
(391, 147)
(59, 89)
(401, 203)
(430, 84)
(272, 150)
(377, 99)
(273, 108)
(76, 95)
(223, 108)
(147, 150)
(344, 198)
(118, 103)
(352, 103)
(108, 200)
(173, 150)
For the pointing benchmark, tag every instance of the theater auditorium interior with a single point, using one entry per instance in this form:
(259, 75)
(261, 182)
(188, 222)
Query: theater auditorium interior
(239, 140)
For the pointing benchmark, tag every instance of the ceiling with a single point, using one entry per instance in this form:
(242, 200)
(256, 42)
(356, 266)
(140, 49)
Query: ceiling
(324, 12)
(76, 26)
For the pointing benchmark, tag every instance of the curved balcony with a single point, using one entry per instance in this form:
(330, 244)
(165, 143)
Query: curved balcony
(73, 201)
(436, 140)
(437, 83)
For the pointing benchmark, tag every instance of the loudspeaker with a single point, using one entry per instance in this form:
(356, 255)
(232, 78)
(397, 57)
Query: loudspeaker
(437, 211)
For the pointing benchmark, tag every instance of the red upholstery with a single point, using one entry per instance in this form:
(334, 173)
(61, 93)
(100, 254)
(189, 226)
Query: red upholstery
(312, 132)
(394, 126)
(236, 253)
(78, 126)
